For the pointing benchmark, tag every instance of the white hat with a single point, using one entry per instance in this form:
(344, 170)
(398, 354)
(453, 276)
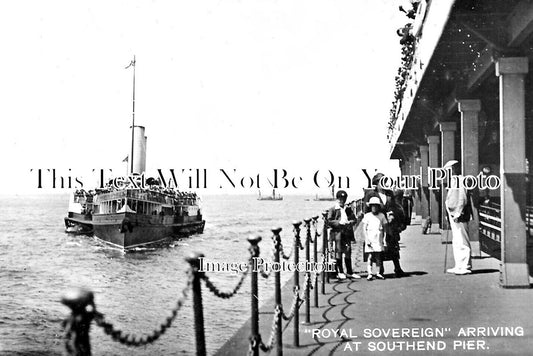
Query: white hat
(450, 163)
(374, 200)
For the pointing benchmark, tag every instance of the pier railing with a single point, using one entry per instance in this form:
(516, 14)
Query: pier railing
(84, 312)
(490, 222)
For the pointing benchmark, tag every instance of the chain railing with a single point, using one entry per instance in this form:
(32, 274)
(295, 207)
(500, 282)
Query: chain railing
(83, 308)
(226, 295)
(273, 331)
(294, 305)
(297, 247)
(83, 312)
(133, 340)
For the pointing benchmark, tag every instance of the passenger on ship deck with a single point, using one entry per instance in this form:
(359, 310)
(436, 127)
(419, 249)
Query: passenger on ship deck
(458, 207)
(341, 220)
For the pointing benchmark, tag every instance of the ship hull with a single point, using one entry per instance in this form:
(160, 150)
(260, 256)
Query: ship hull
(130, 230)
(76, 223)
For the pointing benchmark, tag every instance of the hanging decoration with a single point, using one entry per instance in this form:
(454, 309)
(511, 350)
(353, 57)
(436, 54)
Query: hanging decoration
(407, 41)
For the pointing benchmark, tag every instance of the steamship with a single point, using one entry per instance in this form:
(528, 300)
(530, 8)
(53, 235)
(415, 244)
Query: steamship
(133, 217)
(332, 198)
(272, 197)
(129, 217)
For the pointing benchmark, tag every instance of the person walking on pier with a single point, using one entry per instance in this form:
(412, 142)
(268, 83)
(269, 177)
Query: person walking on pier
(458, 207)
(374, 226)
(341, 220)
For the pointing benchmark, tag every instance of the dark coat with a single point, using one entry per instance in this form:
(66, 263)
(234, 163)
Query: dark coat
(394, 227)
(341, 232)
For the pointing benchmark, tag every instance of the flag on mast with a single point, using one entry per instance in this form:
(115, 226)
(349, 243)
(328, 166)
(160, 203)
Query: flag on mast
(132, 64)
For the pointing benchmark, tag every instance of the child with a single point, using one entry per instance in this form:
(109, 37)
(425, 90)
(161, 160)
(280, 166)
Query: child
(374, 227)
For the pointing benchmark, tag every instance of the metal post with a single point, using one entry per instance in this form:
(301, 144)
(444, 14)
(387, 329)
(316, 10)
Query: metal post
(255, 337)
(81, 303)
(296, 249)
(325, 275)
(308, 275)
(194, 261)
(315, 258)
(277, 291)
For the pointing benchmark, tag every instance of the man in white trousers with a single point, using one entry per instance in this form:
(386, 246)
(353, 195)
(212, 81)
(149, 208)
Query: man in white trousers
(458, 207)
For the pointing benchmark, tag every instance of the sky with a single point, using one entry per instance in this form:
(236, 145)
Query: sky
(250, 86)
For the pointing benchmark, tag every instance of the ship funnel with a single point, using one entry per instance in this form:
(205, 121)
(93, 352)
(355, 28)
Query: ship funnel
(139, 150)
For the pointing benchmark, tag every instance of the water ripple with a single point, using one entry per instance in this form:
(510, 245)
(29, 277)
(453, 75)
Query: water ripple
(39, 262)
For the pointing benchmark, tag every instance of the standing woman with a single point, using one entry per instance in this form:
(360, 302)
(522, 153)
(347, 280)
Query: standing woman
(385, 196)
(396, 219)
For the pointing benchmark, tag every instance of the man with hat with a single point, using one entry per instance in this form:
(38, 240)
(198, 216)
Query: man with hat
(341, 220)
(459, 209)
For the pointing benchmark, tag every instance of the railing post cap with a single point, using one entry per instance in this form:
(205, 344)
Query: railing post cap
(307, 221)
(254, 240)
(77, 298)
(194, 257)
(277, 230)
(324, 213)
(315, 217)
(296, 223)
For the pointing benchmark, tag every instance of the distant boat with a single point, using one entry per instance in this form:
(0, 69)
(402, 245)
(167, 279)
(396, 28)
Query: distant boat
(271, 197)
(332, 198)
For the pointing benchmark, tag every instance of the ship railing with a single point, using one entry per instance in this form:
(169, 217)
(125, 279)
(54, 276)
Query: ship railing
(146, 194)
(117, 194)
(84, 311)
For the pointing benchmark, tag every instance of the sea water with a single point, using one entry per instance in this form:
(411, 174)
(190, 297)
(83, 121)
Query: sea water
(135, 291)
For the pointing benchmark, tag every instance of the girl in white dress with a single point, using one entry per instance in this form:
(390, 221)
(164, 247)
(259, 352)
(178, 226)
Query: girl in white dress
(374, 226)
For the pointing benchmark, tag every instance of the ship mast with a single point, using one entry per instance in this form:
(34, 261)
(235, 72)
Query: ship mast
(133, 116)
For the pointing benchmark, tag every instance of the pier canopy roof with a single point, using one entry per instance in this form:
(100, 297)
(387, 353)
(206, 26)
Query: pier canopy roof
(454, 47)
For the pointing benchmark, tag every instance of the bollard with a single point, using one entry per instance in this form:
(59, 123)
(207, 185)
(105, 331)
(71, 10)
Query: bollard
(325, 275)
(81, 303)
(277, 290)
(296, 249)
(315, 258)
(194, 261)
(255, 337)
(308, 275)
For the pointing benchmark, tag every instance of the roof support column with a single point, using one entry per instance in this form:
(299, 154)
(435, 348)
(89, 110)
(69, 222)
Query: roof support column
(424, 196)
(410, 192)
(469, 110)
(511, 73)
(434, 208)
(447, 130)
(417, 195)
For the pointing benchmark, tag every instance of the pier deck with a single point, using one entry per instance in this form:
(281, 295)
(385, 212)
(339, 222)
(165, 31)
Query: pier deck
(427, 298)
